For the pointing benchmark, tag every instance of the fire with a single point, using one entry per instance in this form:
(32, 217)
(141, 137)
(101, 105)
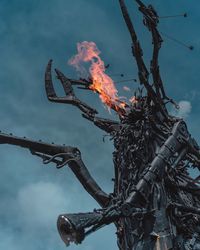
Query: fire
(133, 100)
(101, 82)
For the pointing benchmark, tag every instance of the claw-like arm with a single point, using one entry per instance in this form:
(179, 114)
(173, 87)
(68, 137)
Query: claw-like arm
(70, 98)
(61, 155)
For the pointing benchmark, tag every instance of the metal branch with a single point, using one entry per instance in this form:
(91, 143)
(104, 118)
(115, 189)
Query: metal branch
(138, 54)
(137, 51)
(107, 125)
(70, 98)
(62, 156)
(151, 20)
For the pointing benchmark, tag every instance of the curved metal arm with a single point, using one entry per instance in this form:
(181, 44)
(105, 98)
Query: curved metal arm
(70, 98)
(61, 155)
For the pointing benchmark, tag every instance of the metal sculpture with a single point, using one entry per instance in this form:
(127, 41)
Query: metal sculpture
(155, 204)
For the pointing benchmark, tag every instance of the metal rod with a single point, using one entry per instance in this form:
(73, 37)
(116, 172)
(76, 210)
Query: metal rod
(122, 75)
(128, 80)
(172, 16)
(178, 41)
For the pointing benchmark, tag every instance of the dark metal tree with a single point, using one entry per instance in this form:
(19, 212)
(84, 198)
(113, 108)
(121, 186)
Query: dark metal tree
(155, 204)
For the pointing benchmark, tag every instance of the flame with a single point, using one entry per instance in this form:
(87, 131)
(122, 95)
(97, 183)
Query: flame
(133, 100)
(101, 82)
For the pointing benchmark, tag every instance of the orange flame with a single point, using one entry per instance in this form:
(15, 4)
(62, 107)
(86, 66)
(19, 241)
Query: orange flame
(101, 82)
(133, 100)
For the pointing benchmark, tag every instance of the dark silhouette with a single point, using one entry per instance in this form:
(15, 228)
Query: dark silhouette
(155, 204)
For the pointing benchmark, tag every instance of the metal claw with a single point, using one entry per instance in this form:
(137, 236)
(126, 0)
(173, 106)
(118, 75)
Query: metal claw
(70, 97)
(51, 94)
(67, 86)
(48, 81)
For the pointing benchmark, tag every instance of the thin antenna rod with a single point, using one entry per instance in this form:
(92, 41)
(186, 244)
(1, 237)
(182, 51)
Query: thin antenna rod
(121, 75)
(178, 41)
(128, 80)
(180, 15)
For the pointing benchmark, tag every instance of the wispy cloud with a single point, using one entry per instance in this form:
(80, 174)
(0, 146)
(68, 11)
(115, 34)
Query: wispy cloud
(36, 207)
(185, 108)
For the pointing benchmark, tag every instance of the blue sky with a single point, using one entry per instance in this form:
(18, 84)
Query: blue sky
(32, 32)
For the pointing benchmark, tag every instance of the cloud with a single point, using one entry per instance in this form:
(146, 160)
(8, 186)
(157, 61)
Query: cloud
(40, 204)
(32, 217)
(185, 108)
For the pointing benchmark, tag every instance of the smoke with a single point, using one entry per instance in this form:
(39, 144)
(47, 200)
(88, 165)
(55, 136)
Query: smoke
(87, 52)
